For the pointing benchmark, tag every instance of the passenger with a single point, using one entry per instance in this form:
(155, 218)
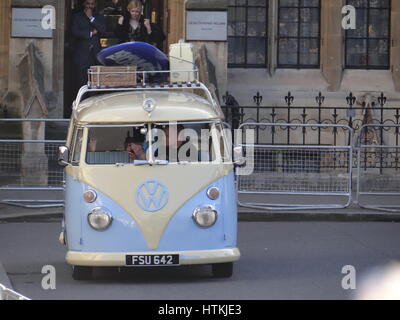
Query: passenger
(135, 147)
(92, 144)
(134, 27)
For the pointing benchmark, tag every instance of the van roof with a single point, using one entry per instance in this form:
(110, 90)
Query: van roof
(127, 106)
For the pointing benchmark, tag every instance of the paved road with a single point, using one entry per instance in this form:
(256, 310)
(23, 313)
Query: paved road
(280, 260)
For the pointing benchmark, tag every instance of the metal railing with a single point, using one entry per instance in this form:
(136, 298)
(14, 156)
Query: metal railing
(348, 114)
(378, 178)
(311, 162)
(375, 142)
(30, 165)
(299, 175)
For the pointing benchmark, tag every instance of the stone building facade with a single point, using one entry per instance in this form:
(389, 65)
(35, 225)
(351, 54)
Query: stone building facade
(261, 35)
(54, 53)
(329, 58)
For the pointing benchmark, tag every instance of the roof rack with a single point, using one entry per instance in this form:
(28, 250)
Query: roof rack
(129, 76)
(138, 81)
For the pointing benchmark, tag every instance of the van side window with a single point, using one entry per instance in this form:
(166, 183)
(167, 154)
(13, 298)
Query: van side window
(77, 146)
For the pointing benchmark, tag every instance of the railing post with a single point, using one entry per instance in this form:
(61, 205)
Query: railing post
(335, 115)
(258, 100)
(273, 115)
(351, 100)
(289, 100)
(232, 110)
(382, 101)
(320, 100)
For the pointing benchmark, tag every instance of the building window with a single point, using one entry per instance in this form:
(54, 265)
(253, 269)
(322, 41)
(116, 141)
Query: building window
(299, 33)
(367, 47)
(247, 33)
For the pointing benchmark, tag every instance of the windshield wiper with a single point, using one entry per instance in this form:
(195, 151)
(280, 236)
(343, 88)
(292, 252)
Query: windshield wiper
(161, 162)
(145, 162)
(155, 162)
(140, 162)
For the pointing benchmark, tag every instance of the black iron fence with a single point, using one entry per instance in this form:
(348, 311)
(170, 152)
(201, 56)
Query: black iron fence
(356, 114)
(375, 112)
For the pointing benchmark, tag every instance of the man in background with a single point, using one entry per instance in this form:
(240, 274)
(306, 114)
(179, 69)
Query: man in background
(87, 27)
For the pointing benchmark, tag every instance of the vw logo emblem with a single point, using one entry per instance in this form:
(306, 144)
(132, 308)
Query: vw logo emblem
(152, 196)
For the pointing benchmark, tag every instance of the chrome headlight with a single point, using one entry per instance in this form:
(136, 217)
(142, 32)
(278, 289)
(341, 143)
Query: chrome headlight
(205, 216)
(99, 218)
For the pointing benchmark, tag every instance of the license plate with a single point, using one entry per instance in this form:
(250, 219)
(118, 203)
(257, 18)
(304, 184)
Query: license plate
(153, 260)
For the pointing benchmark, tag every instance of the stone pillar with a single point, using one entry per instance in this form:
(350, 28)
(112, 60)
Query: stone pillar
(57, 101)
(332, 46)
(176, 21)
(51, 56)
(34, 162)
(216, 51)
(395, 50)
(272, 56)
(4, 44)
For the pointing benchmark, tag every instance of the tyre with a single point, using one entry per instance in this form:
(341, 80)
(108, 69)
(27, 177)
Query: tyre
(82, 273)
(222, 270)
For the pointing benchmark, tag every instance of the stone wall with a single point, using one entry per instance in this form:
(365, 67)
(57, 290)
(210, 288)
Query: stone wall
(217, 51)
(176, 21)
(331, 78)
(395, 52)
(50, 52)
(4, 44)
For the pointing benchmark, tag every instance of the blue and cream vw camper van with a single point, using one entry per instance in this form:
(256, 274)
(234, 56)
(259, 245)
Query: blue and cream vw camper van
(149, 180)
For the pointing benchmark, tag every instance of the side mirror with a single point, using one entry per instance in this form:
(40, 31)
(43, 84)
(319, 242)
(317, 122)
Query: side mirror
(238, 158)
(63, 156)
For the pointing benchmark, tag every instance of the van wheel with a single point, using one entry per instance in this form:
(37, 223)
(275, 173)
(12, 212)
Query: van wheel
(82, 273)
(222, 270)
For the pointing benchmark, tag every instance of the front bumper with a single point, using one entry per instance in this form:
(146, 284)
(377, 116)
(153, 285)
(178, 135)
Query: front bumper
(117, 259)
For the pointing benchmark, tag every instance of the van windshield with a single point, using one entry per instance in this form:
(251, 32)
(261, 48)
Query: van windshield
(158, 144)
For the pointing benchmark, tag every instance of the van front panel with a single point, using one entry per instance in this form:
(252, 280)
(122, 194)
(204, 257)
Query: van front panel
(119, 195)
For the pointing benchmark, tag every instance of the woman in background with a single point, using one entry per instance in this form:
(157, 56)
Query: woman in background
(134, 27)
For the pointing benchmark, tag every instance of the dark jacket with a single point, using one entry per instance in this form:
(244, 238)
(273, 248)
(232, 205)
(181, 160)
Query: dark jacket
(125, 33)
(86, 47)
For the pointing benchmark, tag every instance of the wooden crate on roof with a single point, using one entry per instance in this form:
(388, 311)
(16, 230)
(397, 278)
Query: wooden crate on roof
(111, 76)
